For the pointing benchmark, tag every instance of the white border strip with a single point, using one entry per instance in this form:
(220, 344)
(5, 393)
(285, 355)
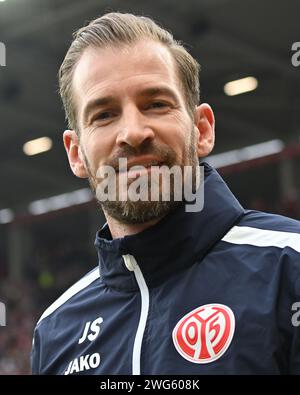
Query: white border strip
(137, 347)
(262, 237)
(136, 359)
(73, 290)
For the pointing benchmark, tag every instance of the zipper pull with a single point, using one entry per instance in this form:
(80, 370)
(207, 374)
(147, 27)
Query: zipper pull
(130, 262)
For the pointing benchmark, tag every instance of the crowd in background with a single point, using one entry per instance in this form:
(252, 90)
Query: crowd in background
(49, 273)
(15, 337)
(288, 206)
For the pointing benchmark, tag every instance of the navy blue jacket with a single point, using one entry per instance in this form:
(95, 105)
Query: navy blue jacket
(211, 292)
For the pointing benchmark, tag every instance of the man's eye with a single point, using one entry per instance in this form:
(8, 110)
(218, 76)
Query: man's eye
(157, 104)
(103, 115)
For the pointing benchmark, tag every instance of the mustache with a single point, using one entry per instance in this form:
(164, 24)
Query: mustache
(165, 154)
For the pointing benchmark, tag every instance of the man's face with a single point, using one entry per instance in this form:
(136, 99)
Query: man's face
(130, 104)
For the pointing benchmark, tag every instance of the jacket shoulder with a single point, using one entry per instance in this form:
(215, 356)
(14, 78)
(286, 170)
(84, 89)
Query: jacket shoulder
(261, 229)
(267, 221)
(76, 288)
(51, 321)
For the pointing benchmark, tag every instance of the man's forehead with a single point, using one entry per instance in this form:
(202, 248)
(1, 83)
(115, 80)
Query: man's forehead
(100, 64)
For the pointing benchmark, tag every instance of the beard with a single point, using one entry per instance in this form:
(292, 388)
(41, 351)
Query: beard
(131, 211)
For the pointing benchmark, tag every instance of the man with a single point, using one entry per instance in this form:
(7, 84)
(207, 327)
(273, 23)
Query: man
(179, 291)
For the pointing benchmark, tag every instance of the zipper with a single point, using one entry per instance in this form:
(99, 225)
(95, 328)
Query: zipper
(132, 266)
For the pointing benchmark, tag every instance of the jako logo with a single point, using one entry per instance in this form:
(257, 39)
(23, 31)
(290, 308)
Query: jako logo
(2, 54)
(85, 362)
(2, 314)
(91, 330)
(204, 334)
(296, 57)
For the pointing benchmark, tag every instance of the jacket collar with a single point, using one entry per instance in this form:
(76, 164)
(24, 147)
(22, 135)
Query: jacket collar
(173, 244)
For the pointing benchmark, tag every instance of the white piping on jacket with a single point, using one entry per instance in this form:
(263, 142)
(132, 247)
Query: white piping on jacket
(262, 237)
(73, 290)
(132, 265)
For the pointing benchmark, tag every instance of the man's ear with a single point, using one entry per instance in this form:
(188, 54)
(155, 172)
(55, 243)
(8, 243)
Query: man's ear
(75, 156)
(205, 125)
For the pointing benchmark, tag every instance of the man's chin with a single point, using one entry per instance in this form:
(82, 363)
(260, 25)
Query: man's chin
(138, 212)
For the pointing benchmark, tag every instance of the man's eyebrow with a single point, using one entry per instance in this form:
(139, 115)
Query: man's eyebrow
(156, 91)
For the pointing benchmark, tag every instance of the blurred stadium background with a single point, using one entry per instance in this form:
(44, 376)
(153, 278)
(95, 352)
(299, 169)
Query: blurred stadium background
(48, 218)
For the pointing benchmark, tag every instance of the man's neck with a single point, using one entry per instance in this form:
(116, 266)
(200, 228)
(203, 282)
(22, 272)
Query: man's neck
(119, 229)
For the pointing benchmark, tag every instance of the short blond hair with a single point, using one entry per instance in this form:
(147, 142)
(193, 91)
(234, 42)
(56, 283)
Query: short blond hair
(124, 29)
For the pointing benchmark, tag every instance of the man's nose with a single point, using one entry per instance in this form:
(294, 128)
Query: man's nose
(134, 130)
